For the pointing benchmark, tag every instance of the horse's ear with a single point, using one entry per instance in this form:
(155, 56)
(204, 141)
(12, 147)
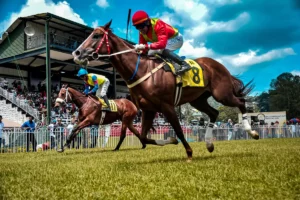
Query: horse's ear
(107, 26)
(65, 86)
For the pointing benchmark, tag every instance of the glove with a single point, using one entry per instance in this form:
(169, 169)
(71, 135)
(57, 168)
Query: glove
(139, 47)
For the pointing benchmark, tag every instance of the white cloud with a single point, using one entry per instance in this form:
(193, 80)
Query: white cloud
(251, 57)
(190, 51)
(102, 3)
(61, 8)
(95, 24)
(296, 72)
(223, 2)
(169, 18)
(209, 27)
(237, 63)
(196, 11)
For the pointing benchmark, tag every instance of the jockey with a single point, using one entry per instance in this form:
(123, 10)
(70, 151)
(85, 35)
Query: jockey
(164, 38)
(98, 82)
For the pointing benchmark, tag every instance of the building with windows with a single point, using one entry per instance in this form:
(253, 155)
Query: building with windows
(27, 56)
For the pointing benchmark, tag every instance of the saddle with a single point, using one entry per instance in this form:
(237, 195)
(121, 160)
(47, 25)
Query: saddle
(192, 78)
(104, 107)
(112, 103)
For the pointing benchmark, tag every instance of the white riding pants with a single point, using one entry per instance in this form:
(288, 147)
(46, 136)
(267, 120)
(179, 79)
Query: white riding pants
(102, 90)
(172, 44)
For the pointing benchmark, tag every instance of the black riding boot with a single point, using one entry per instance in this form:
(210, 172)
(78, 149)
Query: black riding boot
(107, 102)
(171, 55)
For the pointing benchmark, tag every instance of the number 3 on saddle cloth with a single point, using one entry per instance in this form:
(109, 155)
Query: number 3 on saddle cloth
(191, 78)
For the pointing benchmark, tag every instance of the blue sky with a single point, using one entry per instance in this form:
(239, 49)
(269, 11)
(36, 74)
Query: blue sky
(253, 39)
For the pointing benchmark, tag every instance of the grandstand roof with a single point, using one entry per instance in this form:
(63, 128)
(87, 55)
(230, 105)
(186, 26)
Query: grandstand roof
(61, 58)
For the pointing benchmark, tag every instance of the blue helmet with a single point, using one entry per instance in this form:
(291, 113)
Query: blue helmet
(82, 72)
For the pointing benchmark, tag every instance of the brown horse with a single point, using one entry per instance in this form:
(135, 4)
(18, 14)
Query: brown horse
(153, 89)
(90, 113)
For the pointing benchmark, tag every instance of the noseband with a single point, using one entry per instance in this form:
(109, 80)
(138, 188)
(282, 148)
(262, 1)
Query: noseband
(60, 100)
(95, 55)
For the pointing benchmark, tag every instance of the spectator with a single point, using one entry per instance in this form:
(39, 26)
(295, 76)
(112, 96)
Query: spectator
(52, 135)
(69, 130)
(94, 136)
(59, 132)
(30, 128)
(1, 128)
(106, 136)
(5, 84)
(230, 128)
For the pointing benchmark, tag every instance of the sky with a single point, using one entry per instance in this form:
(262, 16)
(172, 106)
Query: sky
(253, 39)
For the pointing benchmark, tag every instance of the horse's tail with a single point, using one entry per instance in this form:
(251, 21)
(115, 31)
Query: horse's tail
(241, 90)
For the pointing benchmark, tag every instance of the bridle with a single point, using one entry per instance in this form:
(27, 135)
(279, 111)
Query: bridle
(95, 55)
(60, 100)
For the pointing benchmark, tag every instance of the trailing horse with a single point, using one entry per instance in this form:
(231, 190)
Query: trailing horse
(156, 90)
(91, 113)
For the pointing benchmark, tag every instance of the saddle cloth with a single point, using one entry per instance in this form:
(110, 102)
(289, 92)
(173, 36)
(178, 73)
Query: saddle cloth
(112, 103)
(191, 78)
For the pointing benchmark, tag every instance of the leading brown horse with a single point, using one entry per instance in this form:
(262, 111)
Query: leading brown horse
(153, 89)
(90, 113)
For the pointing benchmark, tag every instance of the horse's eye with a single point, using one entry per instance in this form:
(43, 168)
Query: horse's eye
(96, 36)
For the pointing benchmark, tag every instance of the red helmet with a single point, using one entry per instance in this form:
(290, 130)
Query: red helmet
(139, 17)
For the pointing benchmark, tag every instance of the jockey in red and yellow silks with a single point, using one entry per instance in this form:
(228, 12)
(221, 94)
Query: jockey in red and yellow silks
(99, 83)
(164, 38)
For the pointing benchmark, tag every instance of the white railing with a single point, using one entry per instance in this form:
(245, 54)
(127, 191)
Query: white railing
(16, 139)
(20, 103)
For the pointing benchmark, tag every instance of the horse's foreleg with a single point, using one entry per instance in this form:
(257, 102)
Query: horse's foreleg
(74, 133)
(122, 136)
(147, 121)
(170, 113)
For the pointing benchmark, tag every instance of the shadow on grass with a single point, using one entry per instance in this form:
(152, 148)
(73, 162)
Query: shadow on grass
(199, 158)
(96, 150)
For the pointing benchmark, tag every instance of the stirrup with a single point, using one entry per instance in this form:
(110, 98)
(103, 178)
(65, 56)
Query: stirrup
(182, 70)
(106, 109)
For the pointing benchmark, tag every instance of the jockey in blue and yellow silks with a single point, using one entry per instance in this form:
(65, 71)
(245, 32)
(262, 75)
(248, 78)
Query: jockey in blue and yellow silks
(99, 83)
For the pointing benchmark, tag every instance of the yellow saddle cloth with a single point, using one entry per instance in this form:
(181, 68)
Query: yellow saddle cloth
(191, 78)
(112, 103)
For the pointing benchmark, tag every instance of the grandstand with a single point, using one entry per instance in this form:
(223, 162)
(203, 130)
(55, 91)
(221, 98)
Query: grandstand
(27, 59)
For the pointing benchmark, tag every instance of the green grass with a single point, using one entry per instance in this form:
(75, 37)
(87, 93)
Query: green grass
(264, 169)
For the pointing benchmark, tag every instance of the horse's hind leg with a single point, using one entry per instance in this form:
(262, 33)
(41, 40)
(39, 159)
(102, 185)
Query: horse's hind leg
(122, 136)
(232, 101)
(202, 105)
(136, 133)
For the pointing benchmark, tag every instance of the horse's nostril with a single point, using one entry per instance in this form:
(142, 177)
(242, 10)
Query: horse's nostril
(77, 53)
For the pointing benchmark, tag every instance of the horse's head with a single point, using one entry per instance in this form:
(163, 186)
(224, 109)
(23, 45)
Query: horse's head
(63, 97)
(97, 43)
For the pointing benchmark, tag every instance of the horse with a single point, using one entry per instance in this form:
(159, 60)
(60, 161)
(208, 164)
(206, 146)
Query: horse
(90, 113)
(154, 89)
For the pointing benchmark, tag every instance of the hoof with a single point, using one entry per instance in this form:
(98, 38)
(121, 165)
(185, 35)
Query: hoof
(115, 150)
(210, 147)
(189, 160)
(254, 135)
(144, 146)
(60, 150)
(173, 140)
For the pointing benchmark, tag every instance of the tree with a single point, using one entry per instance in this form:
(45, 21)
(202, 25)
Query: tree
(226, 113)
(284, 94)
(263, 102)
